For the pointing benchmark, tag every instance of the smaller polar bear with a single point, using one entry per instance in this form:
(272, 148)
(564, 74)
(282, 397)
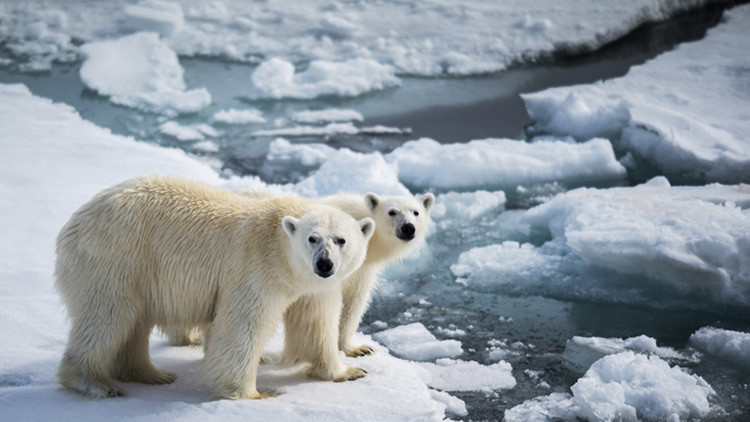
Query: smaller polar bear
(166, 251)
(401, 223)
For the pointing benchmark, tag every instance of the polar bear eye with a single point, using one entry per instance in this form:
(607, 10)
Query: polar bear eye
(312, 239)
(416, 213)
(341, 241)
(392, 213)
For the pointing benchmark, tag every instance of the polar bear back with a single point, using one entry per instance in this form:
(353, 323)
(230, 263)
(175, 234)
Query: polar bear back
(172, 244)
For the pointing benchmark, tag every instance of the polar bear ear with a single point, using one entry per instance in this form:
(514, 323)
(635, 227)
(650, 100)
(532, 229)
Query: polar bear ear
(290, 225)
(371, 200)
(428, 200)
(367, 225)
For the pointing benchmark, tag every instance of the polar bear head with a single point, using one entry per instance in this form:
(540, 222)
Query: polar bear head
(401, 220)
(328, 242)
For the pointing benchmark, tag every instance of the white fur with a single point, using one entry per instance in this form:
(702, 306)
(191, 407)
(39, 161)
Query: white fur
(165, 251)
(384, 248)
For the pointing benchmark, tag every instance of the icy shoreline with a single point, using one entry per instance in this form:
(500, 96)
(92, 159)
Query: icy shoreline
(686, 119)
(387, 32)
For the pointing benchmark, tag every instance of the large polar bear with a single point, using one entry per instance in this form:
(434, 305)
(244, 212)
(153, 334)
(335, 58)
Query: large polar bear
(168, 251)
(401, 223)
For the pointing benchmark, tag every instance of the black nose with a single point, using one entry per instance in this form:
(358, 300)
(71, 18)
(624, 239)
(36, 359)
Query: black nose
(407, 232)
(323, 267)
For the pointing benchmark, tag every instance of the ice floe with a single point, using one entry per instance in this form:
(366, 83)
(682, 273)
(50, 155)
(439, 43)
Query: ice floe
(415, 342)
(680, 114)
(276, 78)
(328, 115)
(187, 133)
(140, 71)
(581, 352)
(657, 244)
(733, 346)
(235, 116)
(458, 375)
(348, 171)
(504, 164)
(625, 386)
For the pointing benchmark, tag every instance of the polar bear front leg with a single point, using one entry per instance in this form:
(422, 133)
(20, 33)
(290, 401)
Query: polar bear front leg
(357, 290)
(311, 336)
(234, 344)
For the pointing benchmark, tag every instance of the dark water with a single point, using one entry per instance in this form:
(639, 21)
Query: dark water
(450, 110)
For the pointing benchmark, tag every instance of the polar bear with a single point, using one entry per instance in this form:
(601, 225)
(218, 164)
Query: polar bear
(400, 224)
(173, 252)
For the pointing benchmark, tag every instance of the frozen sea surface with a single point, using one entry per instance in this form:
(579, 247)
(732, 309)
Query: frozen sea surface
(652, 298)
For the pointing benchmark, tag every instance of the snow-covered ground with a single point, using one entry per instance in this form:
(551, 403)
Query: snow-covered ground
(686, 112)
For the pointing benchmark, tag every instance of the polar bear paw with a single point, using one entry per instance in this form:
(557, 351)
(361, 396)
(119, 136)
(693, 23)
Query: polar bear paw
(259, 395)
(351, 374)
(99, 389)
(363, 350)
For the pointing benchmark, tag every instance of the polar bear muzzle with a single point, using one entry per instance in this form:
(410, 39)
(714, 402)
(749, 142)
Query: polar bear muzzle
(406, 232)
(323, 264)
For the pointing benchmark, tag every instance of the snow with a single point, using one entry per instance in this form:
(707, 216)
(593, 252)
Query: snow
(657, 244)
(53, 162)
(415, 342)
(581, 352)
(628, 385)
(458, 375)
(686, 118)
(466, 205)
(425, 38)
(348, 171)
(187, 133)
(276, 78)
(504, 164)
(140, 71)
(162, 17)
(327, 115)
(732, 346)
(281, 151)
(327, 130)
(453, 405)
(332, 129)
(235, 116)
(625, 386)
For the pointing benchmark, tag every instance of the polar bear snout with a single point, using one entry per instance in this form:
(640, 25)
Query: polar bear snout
(406, 232)
(324, 267)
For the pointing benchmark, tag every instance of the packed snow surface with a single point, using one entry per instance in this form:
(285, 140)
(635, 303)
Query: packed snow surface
(421, 37)
(140, 71)
(414, 342)
(680, 241)
(625, 387)
(733, 346)
(686, 112)
(44, 181)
